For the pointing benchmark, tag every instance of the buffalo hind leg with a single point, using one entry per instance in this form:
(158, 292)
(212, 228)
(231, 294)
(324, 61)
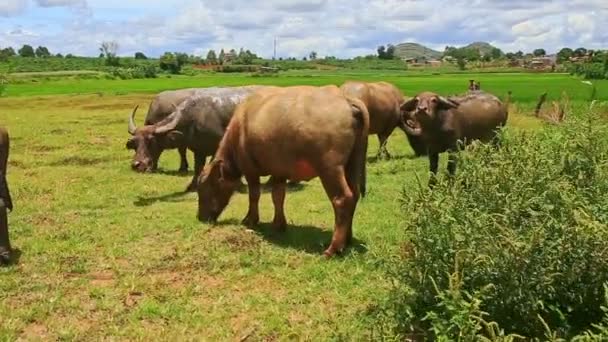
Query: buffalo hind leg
(253, 214)
(183, 159)
(434, 166)
(279, 222)
(5, 245)
(343, 201)
(199, 163)
(383, 140)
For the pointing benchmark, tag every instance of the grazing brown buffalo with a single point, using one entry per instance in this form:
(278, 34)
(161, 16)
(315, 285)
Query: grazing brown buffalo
(198, 123)
(162, 106)
(293, 133)
(443, 122)
(383, 100)
(5, 198)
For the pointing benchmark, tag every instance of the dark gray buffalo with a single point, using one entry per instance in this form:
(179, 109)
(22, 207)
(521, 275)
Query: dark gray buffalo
(6, 203)
(444, 122)
(161, 107)
(198, 123)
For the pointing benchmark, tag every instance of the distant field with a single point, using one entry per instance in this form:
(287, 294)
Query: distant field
(110, 254)
(525, 87)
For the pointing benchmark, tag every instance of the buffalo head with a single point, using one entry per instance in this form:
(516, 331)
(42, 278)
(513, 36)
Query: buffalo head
(425, 106)
(149, 142)
(214, 191)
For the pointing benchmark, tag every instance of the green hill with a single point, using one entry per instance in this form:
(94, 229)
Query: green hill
(483, 47)
(414, 50)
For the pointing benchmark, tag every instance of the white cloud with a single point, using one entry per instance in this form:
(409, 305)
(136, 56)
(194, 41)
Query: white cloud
(10, 8)
(61, 3)
(329, 27)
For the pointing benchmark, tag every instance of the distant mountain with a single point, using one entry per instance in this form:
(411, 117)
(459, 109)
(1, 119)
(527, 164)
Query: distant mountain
(483, 47)
(414, 50)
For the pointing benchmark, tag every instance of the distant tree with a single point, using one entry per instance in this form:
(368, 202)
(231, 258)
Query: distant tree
(109, 50)
(211, 57)
(462, 64)
(245, 57)
(381, 52)
(564, 54)
(519, 54)
(222, 56)
(510, 55)
(8, 52)
(42, 51)
(172, 62)
(312, 55)
(580, 52)
(496, 53)
(450, 51)
(59, 55)
(304, 58)
(539, 52)
(140, 55)
(27, 51)
(390, 51)
(69, 55)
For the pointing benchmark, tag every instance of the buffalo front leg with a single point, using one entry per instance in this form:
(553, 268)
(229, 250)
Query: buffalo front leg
(452, 162)
(343, 201)
(434, 165)
(5, 245)
(183, 159)
(253, 214)
(199, 163)
(279, 222)
(382, 150)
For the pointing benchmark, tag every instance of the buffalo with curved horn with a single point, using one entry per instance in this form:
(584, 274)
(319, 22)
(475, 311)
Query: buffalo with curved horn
(198, 123)
(162, 106)
(444, 122)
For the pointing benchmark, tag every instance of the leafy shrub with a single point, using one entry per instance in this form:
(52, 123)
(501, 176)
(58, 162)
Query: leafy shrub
(236, 68)
(144, 71)
(524, 230)
(590, 71)
(3, 84)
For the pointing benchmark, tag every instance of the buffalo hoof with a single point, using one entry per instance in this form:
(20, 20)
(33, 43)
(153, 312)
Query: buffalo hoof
(191, 187)
(279, 225)
(250, 221)
(331, 252)
(5, 256)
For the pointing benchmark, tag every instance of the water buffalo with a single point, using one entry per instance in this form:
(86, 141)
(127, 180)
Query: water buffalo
(198, 123)
(162, 106)
(292, 133)
(443, 122)
(383, 101)
(5, 198)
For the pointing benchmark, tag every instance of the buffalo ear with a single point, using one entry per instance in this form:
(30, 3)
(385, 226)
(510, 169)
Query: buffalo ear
(409, 105)
(173, 139)
(216, 169)
(131, 144)
(445, 103)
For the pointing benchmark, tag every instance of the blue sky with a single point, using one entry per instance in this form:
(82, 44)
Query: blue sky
(342, 28)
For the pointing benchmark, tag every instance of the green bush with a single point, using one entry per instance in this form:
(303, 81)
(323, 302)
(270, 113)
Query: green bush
(236, 68)
(590, 71)
(3, 84)
(144, 71)
(522, 229)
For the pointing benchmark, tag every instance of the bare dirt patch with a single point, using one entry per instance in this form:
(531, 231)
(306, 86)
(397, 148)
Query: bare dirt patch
(34, 331)
(102, 278)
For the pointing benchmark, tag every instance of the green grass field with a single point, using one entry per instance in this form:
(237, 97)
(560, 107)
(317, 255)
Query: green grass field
(106, 253)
